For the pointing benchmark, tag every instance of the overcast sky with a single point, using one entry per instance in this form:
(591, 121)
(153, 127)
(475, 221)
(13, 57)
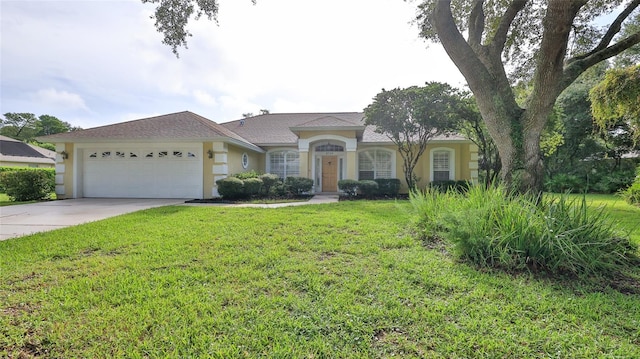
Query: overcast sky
(92, 63)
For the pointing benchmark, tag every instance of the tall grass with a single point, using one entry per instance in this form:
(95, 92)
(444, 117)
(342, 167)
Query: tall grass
(491, 228)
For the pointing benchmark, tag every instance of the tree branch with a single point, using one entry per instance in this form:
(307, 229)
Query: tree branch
(614, 28)
(577, 67)
(500, 37)
(476, 23)
(460, 52)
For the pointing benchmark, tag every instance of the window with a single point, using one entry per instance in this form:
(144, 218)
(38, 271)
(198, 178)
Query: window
(329, 147)
(245, 160)
(374, 164)
(442, 164)
(284, 163)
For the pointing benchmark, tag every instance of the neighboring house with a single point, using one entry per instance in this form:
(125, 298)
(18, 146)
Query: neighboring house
(182, 155)
(14, 153)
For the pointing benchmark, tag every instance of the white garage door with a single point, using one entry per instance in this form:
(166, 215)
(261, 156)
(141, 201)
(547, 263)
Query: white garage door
(171, 172)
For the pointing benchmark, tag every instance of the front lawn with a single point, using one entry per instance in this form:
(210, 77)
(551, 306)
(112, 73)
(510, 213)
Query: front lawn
(341, 280)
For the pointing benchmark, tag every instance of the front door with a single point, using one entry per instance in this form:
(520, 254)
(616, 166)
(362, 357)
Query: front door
(330, 174)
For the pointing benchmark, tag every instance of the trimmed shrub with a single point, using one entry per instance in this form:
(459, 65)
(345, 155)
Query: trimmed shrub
(246, 175)
(51, 172)
(491, 228)
(268, 181)
(299, 185)
(252, 186)
(231, 188)
(348, 186)
(368, 188)
(388, 186)
(28, 185)
(280, 189)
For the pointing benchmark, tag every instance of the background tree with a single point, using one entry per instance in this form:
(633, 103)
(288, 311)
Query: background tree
(411, 117)
(533, 38)
(21, 126)
(472, 126)
(617, 98)
(588, 159)
(26, 126)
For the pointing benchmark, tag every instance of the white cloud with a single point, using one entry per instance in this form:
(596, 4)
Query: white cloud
(60, 99)
(281, 55)
(204, 98)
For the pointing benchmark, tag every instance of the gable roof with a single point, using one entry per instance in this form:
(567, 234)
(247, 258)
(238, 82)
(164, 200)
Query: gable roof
(183, 126)
(280, 128)
(12, 150)
(276, 128)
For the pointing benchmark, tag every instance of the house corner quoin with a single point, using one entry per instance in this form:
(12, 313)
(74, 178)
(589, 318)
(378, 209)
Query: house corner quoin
(219, 155)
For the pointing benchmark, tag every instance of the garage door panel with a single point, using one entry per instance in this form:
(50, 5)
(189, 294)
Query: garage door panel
(143, 173)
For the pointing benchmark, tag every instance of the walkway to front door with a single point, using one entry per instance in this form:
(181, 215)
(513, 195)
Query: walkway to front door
(329, 173)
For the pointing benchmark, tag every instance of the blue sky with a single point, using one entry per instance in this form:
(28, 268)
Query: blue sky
(93, 63)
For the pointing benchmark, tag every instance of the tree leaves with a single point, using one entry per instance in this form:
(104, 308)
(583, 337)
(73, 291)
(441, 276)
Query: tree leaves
(616, 97)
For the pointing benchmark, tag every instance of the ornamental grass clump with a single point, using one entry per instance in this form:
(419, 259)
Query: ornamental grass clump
(492, 228)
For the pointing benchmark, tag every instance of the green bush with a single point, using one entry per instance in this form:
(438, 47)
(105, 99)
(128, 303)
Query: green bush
(231, 188)
(348, 186)
(388, 186)
(299, 185)
(632, 194)
(28, 185)
(368, 188)
(51, 172)
(268, 181)
(246, 175)
(280, 189)
(563, 183)
(444, 186)
(252, 186)
(493, 229)
(613, 182)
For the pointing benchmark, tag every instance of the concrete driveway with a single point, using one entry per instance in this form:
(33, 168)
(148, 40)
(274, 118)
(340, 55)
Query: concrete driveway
(20, 220)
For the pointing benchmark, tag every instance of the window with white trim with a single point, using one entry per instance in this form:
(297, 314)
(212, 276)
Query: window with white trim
(284, 163)
(442, 160)
(374, 164)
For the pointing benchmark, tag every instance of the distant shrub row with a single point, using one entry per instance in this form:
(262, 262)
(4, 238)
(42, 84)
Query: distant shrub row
(253, 184)
(610, 182)
(370, 188)
(27, 184)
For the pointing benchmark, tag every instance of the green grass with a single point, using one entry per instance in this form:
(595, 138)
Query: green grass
(619, 211)
(343, 280)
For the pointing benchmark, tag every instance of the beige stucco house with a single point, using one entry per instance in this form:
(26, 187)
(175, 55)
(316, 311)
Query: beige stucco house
(182, 155)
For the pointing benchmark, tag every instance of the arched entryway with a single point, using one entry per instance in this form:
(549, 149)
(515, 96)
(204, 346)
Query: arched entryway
(329, 164)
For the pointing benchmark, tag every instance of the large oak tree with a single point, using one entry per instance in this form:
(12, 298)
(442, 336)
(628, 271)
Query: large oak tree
(546, 43)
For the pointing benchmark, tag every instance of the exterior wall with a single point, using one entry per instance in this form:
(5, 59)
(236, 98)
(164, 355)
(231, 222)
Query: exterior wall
(226, 160)
(64, 170)
(24, 164)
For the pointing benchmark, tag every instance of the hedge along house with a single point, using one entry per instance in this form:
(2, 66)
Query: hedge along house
(182, 155)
